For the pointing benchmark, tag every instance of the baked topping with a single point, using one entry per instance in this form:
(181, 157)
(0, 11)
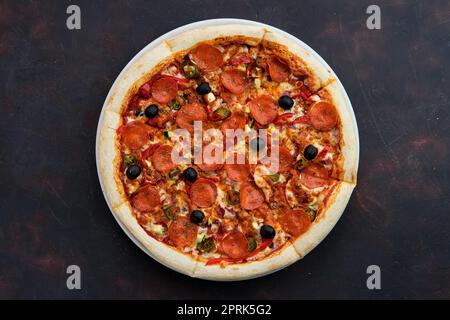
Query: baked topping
(217, 211)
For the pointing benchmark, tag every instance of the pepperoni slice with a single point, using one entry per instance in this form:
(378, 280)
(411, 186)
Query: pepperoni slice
(250, 196)
(323, 116)
(162, 159)
(182, 232)
(135, 134)
(235, 245)
(263, 109)
(190, 113)
(234, 80)
(146, 199)
(237, 172)
(295, 222)
(164, 89)
(314, 176)
(203, 193)
(236, 121)
(278, 70)
(286, 160)
(210, 167)
(207, 57)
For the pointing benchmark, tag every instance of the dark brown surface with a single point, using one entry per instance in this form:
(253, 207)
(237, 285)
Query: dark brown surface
(53, 214)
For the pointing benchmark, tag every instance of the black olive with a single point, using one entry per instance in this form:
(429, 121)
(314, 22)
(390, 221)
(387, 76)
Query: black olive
(267, 232)
(203, 88)
(133, 171)
(258, 144)
(151, 111)
(190, 174)
(310, 152)
(285, 102)
(197, 216)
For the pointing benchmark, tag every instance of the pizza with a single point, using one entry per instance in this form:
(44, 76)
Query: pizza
(208, 96)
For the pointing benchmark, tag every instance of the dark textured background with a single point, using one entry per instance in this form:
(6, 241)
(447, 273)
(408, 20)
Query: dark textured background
(53, 83)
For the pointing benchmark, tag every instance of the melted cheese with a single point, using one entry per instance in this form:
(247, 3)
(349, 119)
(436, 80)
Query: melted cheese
(260, 172)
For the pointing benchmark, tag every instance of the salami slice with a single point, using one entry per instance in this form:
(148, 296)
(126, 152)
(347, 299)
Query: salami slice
(210, 167)
(323, 116)
(234, 80)
(146, 199)
(263, 109)
(250, 196)
(286, 160)
(135, 134)
(162, 159)
(237, 172)
(203, 193)
(182, 232)
(278, 70)
(207, 57)
(295, 222)
(164, 89)
(235, 245)
(190, 113)
(314, 176)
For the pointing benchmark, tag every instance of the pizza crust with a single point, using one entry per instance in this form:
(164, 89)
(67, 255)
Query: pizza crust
(349, 157)
(326, 221)
(278, 260)
(159, 251)
(111, 120)
(107, 164)
(186, 40)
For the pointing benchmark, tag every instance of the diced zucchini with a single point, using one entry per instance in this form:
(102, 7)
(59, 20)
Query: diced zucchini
(232, 197)
(302, 163)
(176, 103)
(174, 173)
(130, 159)
(222, 113)
(242, 67)
(252, 245)
(206, 245)
(168, 213)
(274, 177)
(312, 213)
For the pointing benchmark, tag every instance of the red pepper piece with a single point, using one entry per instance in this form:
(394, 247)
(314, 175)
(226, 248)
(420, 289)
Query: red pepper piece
(301, 120)
(323, 152)
(282, 118)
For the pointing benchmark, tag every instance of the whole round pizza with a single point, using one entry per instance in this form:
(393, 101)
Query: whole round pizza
(227, 149)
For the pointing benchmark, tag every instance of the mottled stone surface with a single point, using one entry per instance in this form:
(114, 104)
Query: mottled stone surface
(53, 214)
